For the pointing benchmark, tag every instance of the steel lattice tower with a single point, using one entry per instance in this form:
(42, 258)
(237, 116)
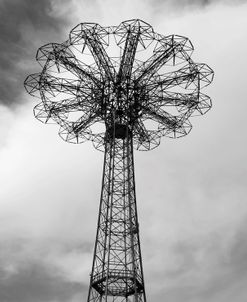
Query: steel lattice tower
(122, 87)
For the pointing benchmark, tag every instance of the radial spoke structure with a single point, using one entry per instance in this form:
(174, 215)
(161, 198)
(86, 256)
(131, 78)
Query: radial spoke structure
(122, 87)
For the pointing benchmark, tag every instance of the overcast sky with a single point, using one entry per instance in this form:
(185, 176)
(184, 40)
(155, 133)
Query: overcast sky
(191, 192)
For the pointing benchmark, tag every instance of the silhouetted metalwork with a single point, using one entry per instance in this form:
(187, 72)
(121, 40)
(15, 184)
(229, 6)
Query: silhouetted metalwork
(122, 87)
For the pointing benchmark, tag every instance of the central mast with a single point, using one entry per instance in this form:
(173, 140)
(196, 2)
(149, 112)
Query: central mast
(117, 273)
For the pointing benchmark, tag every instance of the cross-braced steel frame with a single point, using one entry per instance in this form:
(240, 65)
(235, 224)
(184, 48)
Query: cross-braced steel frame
(122, 87)
(117, 267)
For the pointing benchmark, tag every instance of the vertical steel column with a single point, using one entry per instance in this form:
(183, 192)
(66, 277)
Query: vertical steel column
(117, 274)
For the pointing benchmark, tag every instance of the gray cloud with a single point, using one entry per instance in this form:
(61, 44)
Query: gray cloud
(36, 282)
(197, 3)
(211, 268)
(181, 7)
(23, 26)
(27, 276)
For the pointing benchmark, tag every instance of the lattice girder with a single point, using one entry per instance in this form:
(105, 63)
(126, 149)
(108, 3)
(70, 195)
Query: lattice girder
(117, 273)
(129, 68)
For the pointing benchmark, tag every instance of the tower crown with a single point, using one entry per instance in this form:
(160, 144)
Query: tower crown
(129, 73)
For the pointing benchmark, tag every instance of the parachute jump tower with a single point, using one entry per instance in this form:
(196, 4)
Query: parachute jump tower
(122, 87)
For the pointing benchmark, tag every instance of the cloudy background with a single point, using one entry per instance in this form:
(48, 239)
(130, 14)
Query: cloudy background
(191, 192)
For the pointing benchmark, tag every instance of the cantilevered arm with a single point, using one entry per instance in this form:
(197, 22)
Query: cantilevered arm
(128, 56)
(160, 57)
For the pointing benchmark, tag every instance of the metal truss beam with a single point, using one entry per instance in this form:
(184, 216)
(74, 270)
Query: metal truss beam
(122, 87)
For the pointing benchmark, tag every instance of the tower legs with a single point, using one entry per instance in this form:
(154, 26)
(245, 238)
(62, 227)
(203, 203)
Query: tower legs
(117, 274)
